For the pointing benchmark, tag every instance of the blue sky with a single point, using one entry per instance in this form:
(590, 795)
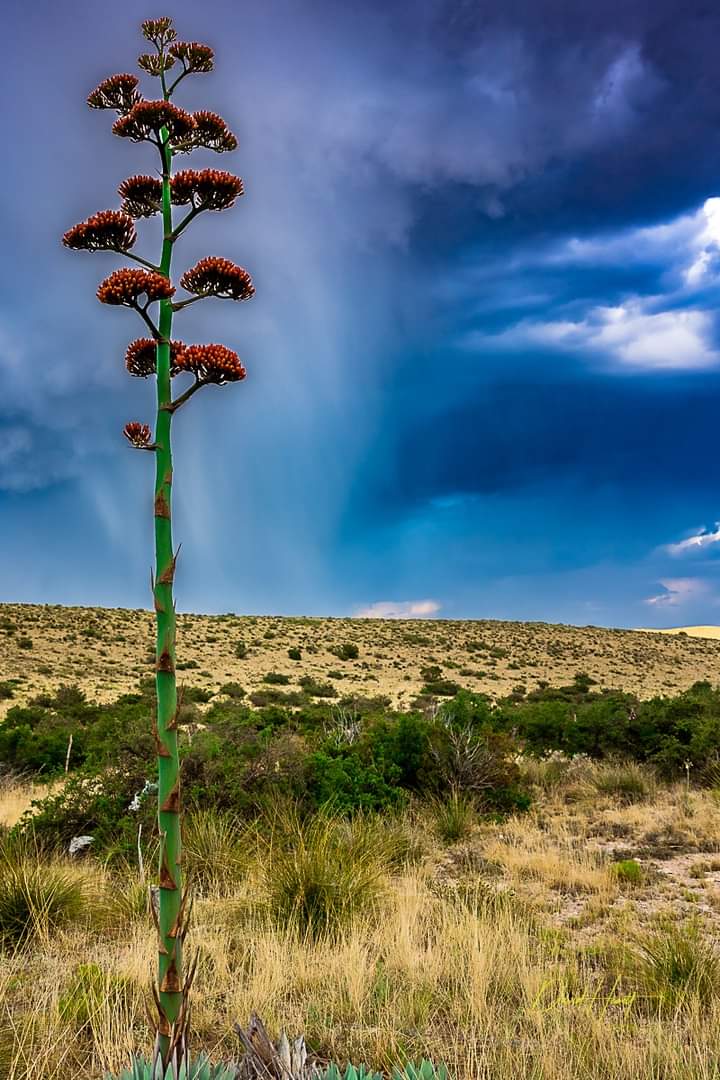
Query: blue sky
(483, 358)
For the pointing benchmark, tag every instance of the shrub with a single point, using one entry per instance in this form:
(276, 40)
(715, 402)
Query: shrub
(440, 688)
(93, 804)
(347, 651)
(233, 690)
(275, 678)
(241, 650)
(315, 689)
(294, 653)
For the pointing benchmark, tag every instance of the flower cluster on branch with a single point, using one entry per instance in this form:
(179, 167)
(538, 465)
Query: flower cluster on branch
(110, 230)
(210, 131)
(141, 357)
(211, 363)
(118, 92)
(144, 121)
(141, 195)
(194, 57)
(218, 277)
(137, 434)
(156, 63)
(205, 189)
(127, 286)
(159, 31)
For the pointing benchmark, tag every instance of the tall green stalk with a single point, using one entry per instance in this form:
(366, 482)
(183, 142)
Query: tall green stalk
(168, 764)
(171, 130)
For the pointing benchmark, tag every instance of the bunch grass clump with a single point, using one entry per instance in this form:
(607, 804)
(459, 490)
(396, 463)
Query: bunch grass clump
(37, 898)
(674, 968)
(454, 817)
(627, 781)
(325, 873)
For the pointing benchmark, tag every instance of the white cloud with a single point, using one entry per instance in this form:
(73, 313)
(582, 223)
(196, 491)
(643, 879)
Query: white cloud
(631, 334)
(399, 609)
(697, 542)
(707, 244)
(678, 591)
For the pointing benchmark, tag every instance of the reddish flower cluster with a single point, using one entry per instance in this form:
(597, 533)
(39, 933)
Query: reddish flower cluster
(118, 92)
(212, 363)
(125, 286)
(155, 63)
(159, 31)
(142, 195)
(193, 56)
(218, 277)
(211, 132)
(147, 117)
(208, 189)
(141, 357)
(137, 434)
(110, 230)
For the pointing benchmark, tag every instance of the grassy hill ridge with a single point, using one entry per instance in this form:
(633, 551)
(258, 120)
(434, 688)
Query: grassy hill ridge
(106, 652)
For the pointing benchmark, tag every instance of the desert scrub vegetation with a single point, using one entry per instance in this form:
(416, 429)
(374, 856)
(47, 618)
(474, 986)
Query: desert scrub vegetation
(425, 958)
(470, 754)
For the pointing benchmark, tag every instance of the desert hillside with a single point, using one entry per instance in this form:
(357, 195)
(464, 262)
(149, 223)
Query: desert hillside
(106, 652)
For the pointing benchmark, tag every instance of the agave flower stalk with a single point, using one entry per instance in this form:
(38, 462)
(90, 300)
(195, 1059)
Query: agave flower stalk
(172, 131)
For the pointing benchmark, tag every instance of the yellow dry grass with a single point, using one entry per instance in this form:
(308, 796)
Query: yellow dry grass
(493, 955)
(17, 795)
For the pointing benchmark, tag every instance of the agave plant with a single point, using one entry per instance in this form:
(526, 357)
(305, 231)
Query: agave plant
(168, 130)
(154, 1069)
(424, 1071)
(352, 1072)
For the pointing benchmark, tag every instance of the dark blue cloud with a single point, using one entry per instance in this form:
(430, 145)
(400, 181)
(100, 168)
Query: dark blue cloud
(474, 373)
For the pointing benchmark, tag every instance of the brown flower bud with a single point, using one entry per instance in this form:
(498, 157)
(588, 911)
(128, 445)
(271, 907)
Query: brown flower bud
(118, 92)
(213, 363)
(137, 434)
(141, 195)
(211, 132)
(207, 189)
(145, 119)
(159, 31)
(125, 286)
(218, 277)
(110, 230)
(193, 56)
(141, 357)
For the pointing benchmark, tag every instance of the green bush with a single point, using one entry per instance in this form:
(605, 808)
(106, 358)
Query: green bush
(347, 651)
(628, 871)
(315, 689)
